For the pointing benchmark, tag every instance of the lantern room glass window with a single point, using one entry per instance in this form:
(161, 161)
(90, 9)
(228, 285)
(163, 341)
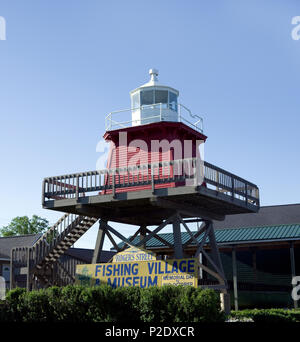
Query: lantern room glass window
(161, 96)
(172, 101)
(147, 97)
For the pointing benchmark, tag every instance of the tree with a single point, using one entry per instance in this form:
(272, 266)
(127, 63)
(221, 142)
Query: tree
(22, 225)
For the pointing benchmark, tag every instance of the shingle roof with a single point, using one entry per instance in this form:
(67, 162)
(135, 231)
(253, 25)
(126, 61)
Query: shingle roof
(7, 243)
(86, 255)
(266, 216)
(3, 256)
(236, 235)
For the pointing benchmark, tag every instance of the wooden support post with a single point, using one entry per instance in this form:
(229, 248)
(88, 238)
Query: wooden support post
(28, 269)
(201, 262)
(215, 250)
(293, 267)
(11, 275)
(254, 263)
(177, 238)
(234, 273)
(99, 242)
(225, 302)
(143, 232)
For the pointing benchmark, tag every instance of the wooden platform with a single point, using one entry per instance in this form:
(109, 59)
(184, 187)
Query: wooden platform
(211, 200)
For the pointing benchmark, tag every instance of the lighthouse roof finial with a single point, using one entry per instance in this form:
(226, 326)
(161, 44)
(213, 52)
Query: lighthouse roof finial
(153, 75)
(153, 82)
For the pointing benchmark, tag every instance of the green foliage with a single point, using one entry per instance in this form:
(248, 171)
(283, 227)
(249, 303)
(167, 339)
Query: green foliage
(22, 225)
(12, 310)
(161, 304)
(202, 306)
(125, 301)
(180, 304)
(105, 304)
(5, 315)
(268, 315)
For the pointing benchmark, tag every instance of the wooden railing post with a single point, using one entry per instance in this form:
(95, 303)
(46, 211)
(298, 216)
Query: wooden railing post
(28, 268)
(77, 188)
(113, 184)
(43, 192)
(152, 179)
(12, 271)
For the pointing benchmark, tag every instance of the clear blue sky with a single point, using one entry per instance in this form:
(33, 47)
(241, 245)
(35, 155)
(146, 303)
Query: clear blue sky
(66, 64)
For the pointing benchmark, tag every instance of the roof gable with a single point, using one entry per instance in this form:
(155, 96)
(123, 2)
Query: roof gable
(266, 216)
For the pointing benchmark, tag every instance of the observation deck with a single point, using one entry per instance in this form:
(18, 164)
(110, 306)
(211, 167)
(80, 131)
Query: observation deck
(202, 190)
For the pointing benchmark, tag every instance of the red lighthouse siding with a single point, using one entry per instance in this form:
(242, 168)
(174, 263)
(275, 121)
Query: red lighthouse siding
(146, 144)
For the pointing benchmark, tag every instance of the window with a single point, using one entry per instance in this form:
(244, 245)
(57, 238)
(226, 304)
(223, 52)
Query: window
(173, 101)
(161, 96)
(147, 97)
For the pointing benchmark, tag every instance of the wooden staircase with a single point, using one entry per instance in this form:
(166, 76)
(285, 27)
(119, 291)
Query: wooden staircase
(41, 262)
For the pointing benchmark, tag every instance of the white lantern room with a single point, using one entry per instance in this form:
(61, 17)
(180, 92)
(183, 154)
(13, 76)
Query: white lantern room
(153, 102)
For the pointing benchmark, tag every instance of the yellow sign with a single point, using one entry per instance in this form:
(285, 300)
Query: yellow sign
(139, 273)
(134, 254)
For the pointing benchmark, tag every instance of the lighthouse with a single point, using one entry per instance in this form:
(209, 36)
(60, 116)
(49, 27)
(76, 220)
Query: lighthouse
(158, 129)
(152, 180)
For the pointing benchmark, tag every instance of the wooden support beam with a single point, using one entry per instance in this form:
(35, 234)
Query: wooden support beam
(234, 273)
(143, 231)
(200, 231)
(188, 230)
(193, 220)
(93, 211)
(213, 273)
(213, 264)
(162, 240)
(215, 250)
(131, 238)
(254, 263)
(120, 236)
(99, 242)
(177, 238)
(186, 209)
(155, 231)
(116, 247)
(293, 267)
(206, 229)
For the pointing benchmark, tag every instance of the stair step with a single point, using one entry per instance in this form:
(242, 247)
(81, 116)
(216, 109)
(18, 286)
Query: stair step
(63, 241)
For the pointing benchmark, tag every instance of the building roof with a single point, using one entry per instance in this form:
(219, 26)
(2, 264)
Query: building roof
(287, 232)
(86, 255)
(266, 216)
(271, 223)
(283, 232)
(7, 243)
